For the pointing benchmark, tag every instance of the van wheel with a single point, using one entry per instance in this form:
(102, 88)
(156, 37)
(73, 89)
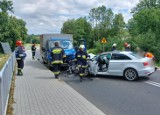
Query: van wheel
(130, 74)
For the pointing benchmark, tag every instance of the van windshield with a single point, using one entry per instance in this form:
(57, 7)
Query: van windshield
(65, 44)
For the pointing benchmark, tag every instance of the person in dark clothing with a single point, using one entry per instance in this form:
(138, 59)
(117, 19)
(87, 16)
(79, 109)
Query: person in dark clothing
(125, 45)
(128, 48)
(33, 49)
(57, 59)
(20, 56)
(114, 47)
(81, 57)
(100, 62)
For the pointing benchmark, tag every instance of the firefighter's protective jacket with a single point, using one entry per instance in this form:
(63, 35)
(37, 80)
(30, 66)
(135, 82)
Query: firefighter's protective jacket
(33, 48)
(81, 57)
(20, 53)
(57, 55)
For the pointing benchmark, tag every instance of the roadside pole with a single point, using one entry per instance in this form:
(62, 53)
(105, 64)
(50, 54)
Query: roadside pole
(103, 41)
(103, 47)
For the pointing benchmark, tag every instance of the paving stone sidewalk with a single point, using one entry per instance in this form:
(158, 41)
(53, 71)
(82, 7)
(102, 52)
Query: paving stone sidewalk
(37, 92)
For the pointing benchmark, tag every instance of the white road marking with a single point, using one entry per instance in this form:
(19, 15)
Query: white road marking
(153, 83)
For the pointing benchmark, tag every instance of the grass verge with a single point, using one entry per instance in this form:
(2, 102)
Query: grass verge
(3, 59)
(11, 95)
(158, 64)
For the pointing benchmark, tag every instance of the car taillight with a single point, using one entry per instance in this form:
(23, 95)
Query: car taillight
(145, 63)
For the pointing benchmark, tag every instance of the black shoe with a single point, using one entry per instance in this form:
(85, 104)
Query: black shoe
(21, 74)
(56, 77)
(18, 73)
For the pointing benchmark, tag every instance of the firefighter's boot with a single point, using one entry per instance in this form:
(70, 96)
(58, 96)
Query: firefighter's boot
(18, 73)
(21, 73)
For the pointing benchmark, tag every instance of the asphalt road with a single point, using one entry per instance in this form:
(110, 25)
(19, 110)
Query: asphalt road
(116, 96)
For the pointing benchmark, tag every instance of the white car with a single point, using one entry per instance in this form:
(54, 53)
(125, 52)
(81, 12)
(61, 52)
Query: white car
(127, 64)
(91, 55)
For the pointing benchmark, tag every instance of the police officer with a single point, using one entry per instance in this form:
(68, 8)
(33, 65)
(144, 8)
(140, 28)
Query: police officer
(81, 57)
(57, 59)
(33, 49)
(20, 56)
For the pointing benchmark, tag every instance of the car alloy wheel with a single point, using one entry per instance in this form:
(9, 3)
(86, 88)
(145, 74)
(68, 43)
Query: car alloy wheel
(130, 74)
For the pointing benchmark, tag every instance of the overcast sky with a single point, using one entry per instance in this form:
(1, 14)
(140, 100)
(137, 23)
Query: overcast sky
(47, 16)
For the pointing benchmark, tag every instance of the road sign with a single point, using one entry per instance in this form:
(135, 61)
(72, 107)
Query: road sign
(103, 41)
(5, 47)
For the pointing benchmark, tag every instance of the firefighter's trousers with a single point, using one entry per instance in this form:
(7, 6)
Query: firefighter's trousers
(56, 70)
(33, 54)
(20, 66)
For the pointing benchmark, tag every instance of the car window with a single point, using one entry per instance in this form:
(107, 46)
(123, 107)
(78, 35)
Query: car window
(120, 57)
(136, 55)
(95, 58)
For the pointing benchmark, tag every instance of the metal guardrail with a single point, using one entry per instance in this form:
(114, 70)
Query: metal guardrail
(5, 82)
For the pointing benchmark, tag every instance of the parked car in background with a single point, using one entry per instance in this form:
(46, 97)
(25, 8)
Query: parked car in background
(122, 63)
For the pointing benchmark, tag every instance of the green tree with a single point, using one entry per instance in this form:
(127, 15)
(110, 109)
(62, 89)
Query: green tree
(6, 6)
(80, 28)
(145, 26)
(118, 25)
(68, 27)
(11, 28)
(101, 20)
(145, 4)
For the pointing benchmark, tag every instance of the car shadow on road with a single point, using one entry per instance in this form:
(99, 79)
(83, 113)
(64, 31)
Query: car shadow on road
(121, 78)
(142, 79)
(76, 79)
(111, 77)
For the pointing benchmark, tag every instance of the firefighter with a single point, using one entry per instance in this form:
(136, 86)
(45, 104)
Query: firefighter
(125, 45)
(20, 56)
(57, 59)
(114, 47)
(128, 48)
(33, 49)
(81, 57)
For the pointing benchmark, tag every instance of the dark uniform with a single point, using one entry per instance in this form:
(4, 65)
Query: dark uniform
(127, 49)
(57, 59)
(20, 56)
(81, 57)
(113, 48)
(33, 49)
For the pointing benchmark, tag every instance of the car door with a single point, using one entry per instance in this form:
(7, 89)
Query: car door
(95, 69)
(117, 64)
(93, 65)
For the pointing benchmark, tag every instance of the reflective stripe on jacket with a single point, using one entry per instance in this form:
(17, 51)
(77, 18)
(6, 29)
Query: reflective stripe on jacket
(57, 55)
(81, 57)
